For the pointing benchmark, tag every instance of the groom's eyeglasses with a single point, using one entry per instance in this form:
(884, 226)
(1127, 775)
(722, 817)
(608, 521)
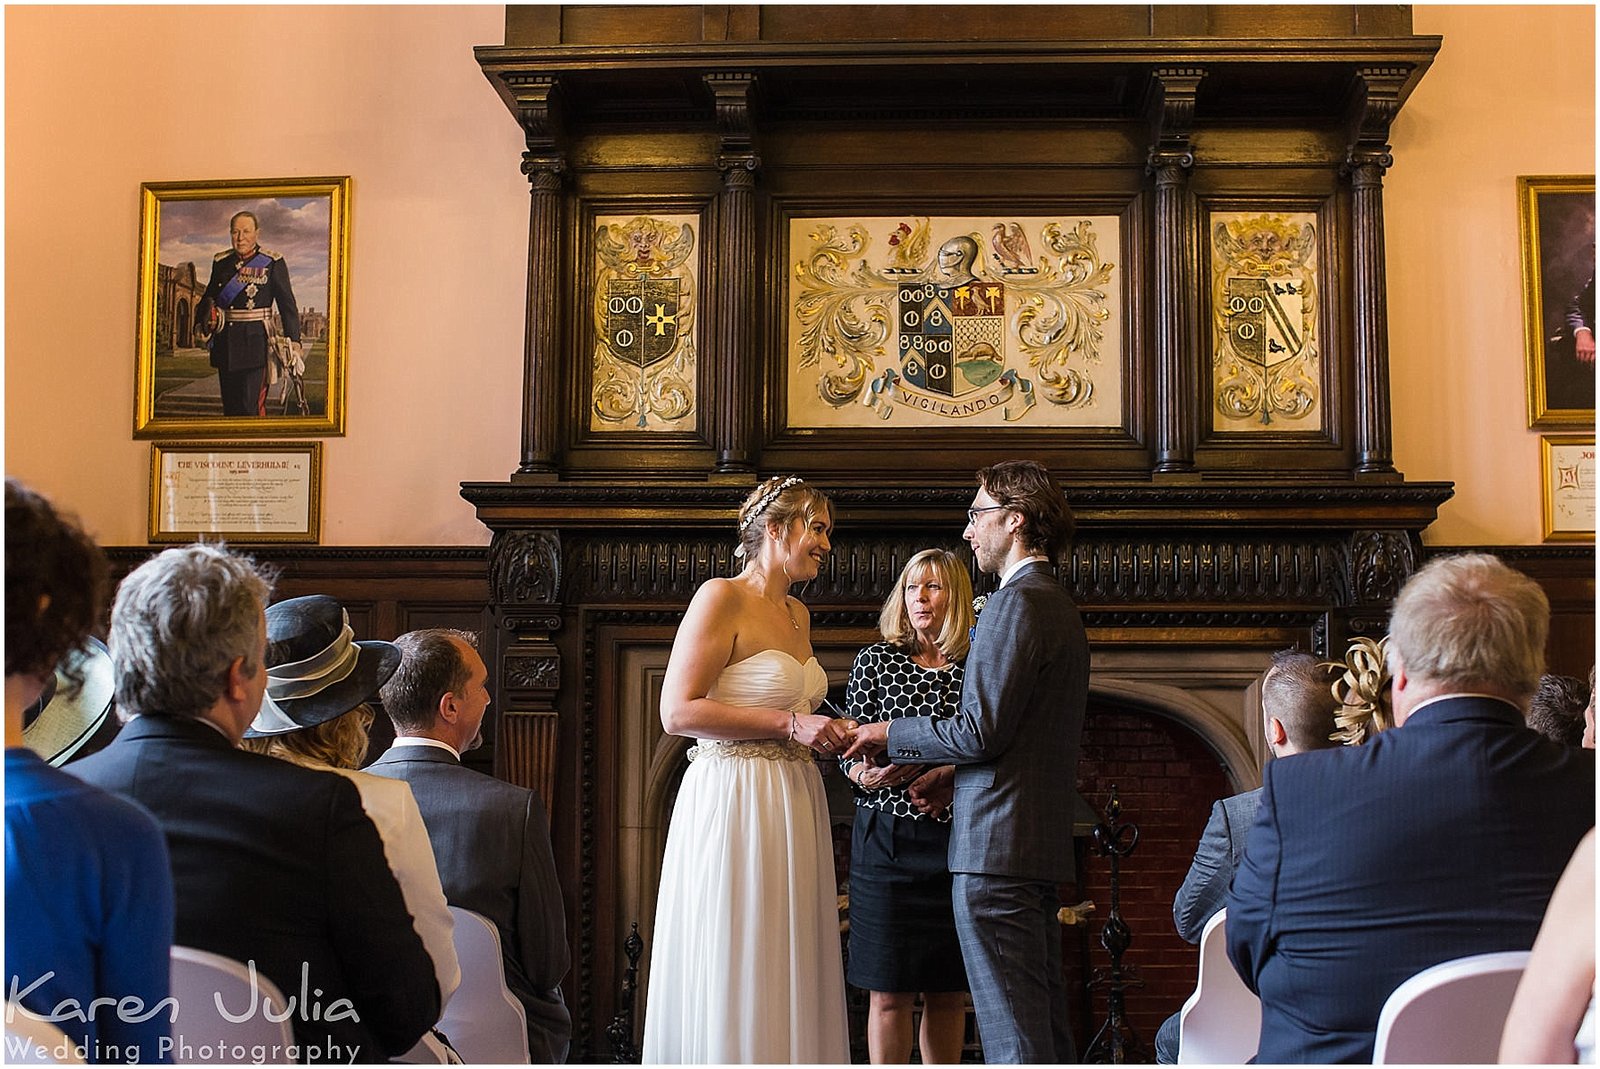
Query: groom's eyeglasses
(972, 514)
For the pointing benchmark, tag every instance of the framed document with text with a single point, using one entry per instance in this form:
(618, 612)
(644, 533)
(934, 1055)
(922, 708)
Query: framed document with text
(237, 491)
(1567, 468)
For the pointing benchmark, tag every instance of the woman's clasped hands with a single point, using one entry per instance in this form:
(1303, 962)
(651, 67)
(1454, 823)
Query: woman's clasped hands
(827, 735)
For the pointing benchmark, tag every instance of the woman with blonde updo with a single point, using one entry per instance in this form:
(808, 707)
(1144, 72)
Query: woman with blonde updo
(745, 961)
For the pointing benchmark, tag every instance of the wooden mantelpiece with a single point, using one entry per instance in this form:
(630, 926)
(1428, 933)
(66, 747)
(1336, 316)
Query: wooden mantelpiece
(585, 576)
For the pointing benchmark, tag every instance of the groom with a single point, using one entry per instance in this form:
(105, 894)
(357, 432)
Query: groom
(1015, 745)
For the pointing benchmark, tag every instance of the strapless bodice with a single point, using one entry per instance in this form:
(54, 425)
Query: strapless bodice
(772, 679)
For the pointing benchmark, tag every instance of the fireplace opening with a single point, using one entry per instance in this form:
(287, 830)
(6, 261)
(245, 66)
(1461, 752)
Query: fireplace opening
(1171, 739)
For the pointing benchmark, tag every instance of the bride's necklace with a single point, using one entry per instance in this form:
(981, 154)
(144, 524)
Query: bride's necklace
(790, 610)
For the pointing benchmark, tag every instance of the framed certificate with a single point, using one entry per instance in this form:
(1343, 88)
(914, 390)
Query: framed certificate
(238, 491)
(1567, 461)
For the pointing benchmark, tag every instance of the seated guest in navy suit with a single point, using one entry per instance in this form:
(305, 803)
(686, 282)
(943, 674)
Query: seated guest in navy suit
(1440, 838)
(491, 838)
(272, 863)
(1298, 710)
(88, 888)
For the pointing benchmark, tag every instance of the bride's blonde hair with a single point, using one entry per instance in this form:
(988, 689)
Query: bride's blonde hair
(780, 500)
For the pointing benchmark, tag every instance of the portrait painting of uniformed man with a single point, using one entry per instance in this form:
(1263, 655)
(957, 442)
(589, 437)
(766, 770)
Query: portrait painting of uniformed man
(242, 331)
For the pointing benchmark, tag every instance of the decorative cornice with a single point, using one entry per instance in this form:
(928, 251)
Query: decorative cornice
(645, 496)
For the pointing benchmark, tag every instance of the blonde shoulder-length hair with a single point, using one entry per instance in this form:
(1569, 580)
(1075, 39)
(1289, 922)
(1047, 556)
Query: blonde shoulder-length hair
(956, 634)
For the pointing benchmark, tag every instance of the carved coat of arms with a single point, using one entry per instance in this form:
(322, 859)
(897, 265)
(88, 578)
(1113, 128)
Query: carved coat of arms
(1264, 289)
(644, 304)
(896, 314)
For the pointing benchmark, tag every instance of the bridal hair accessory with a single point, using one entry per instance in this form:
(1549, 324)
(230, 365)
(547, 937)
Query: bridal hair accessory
(1362, 692)
(761, 505)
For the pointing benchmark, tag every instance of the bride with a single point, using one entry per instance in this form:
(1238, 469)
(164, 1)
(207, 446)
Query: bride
(745, 965)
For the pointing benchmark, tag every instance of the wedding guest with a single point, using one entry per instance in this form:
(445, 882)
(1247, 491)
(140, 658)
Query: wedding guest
(491, 838)
(745, 964)
(88, 886)
(1437, 839)
(1551, 1021)
(1297, 712)
(1016, 742)
(1556, 709)
(903, 938)
(315, 715)
(272, 863)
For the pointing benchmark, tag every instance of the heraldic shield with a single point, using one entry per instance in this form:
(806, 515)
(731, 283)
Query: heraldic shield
(951, 338)
(642, 319)
(1264, 319)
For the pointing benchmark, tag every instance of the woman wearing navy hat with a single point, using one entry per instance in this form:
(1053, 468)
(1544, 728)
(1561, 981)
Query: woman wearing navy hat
(319, 680)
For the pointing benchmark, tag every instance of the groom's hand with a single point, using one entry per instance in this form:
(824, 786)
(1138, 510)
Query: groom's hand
(871, 740)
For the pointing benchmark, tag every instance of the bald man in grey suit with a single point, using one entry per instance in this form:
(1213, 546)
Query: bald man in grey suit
(1015, 746)
(491, 838)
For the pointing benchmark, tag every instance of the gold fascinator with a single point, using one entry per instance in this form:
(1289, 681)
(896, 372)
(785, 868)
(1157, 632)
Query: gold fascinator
(1362, 691)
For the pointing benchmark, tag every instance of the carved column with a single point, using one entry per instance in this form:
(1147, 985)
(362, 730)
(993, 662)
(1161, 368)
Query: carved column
(525, 583)
(1170, 160)
(1375, 100)
(732, 338)
(545, 167)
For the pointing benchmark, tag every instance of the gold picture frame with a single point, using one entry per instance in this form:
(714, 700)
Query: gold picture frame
(1556, 224)
(1566, 463)
(192, 284)
(241, 492)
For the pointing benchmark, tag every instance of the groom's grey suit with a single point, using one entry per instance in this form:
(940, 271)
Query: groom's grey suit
(1015, 745)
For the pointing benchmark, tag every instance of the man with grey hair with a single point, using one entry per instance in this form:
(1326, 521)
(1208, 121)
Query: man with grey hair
(274, 865)
(1441, 838)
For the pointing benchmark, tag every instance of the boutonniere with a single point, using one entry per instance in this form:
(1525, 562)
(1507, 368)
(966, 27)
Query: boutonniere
(977, 610)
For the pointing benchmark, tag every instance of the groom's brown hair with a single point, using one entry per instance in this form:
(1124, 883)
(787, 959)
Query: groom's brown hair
(1026, 487)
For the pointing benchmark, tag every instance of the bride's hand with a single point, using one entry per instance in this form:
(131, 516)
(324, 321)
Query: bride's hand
(825, 734)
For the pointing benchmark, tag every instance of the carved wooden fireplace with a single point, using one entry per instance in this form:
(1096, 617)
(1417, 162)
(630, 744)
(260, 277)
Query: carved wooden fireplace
(881, 246)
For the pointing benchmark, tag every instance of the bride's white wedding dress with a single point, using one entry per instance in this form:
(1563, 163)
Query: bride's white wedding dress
(745, 964)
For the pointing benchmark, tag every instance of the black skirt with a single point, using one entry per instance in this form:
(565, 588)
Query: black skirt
(902, 926)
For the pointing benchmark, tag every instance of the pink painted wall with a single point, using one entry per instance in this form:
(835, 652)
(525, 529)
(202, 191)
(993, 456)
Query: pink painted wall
(101, 99)
(1512, 92)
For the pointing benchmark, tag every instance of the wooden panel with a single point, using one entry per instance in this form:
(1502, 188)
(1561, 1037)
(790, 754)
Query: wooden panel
(1567, 576)
(605, 24)
(951, 22)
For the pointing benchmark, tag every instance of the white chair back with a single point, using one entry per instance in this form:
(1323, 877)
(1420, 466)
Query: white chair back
(1452, 1013)
(30, 1041)
(484, 1021)
(201, 1034)
(1221, 1022)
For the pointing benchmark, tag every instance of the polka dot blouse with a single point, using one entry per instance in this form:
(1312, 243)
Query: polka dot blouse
(886, 684)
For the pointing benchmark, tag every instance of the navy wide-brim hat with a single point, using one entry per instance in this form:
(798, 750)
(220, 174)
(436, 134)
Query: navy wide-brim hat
(316, 671)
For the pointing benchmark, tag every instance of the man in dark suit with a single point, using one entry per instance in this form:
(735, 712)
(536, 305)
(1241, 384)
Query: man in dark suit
(1440, 838)
(246, 281)
(1015, 746)
(272, 863)
(490, 838)
(1298, 715)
